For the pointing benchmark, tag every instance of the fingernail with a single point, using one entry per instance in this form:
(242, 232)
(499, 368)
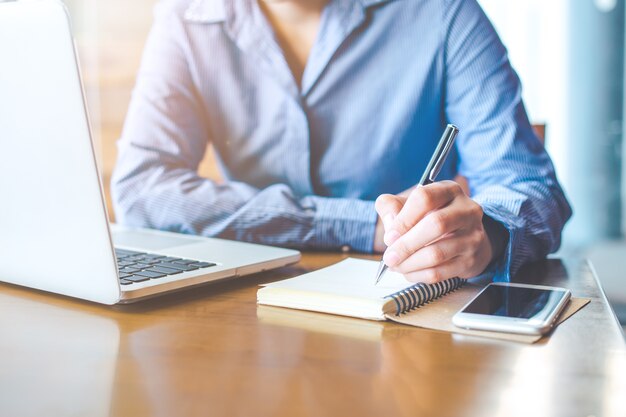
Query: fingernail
(390, 237)
(391, 258)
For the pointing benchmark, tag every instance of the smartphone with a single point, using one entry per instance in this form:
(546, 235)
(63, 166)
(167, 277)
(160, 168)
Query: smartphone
(513, 308)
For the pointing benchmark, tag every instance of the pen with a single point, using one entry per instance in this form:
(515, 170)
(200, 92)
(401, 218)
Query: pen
(430, 173)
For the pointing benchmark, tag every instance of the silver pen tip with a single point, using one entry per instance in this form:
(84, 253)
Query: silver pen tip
(381, 270)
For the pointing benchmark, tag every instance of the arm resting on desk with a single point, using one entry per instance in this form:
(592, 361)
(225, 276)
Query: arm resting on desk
(156, 184)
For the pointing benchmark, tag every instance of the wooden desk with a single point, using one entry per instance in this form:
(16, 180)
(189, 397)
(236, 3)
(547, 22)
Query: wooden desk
(211, 351)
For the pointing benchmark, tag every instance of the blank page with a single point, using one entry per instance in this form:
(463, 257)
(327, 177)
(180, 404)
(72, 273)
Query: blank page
(353, 278)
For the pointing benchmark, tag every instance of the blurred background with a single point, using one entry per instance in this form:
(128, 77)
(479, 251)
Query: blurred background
(570, 58)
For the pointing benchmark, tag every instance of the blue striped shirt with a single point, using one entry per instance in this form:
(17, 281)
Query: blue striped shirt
(303, 163)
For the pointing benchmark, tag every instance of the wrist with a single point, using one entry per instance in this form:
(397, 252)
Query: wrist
(498, 236)
(342, 223)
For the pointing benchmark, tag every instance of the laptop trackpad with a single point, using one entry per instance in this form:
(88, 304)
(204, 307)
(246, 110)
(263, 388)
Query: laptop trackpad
(146, 241)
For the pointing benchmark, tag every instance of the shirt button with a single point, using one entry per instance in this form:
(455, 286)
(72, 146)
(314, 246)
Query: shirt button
(345, 248)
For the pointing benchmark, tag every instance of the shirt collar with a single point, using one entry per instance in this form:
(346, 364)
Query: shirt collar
(213, 11)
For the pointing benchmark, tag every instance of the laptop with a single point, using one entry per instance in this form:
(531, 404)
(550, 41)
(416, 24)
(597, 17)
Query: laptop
(54, 229)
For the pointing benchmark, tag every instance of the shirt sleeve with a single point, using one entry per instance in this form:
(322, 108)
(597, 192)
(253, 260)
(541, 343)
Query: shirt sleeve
(156, 183)
(509, 172)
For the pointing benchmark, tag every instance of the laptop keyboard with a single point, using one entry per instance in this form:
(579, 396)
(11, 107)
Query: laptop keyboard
(139, 266)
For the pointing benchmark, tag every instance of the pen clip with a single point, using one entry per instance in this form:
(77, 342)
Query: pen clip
(451, 133)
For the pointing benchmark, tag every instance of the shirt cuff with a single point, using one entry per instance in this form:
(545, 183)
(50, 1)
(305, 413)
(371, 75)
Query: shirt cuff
(347, 224)
(506, 265)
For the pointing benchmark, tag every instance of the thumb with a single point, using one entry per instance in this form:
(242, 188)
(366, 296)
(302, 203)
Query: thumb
(388, 206)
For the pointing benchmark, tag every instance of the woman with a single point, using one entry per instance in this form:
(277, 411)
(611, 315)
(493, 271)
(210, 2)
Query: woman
(315, 109)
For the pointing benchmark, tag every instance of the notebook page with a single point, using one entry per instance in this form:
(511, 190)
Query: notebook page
(351, 277)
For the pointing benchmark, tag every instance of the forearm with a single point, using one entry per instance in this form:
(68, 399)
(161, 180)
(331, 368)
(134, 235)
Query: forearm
(179, 200)
(510, 175)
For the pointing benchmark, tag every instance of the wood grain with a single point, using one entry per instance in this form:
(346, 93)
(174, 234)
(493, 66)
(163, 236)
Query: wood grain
(210, 352)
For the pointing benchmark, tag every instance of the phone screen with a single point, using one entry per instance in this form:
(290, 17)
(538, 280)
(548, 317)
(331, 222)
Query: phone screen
(518, 302)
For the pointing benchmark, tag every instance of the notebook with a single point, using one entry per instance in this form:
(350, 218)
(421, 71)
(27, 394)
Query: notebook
(328, 324)
(347, 289)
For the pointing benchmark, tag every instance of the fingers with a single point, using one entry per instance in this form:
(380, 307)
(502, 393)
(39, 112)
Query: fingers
(388, 206)
(441, 272)
(464, 254)
(422, 201)
(435, 254)
(464, 257)
(434, 226)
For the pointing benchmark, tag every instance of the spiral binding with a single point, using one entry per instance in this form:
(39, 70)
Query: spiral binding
(420, 294)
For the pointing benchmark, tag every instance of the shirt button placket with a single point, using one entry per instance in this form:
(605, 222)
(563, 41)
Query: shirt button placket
(299, 150)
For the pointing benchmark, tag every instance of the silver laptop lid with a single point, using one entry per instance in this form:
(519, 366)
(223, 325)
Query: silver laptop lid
(54, 234)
